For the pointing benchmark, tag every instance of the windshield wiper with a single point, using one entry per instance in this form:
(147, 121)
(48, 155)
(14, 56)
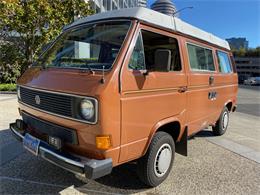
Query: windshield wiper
(89, 68)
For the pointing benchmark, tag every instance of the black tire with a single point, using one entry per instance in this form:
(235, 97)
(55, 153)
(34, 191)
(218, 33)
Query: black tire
(147, 166)
(220, 128)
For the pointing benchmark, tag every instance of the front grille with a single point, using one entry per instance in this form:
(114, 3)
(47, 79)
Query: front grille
(54, 103)
(44, 129)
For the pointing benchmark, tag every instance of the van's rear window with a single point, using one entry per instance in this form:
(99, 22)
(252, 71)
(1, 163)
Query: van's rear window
(93, 46)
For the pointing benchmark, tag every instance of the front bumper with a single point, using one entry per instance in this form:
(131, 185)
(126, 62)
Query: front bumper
(92, 168)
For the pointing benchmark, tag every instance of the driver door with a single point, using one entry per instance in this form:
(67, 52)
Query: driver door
(148, 97)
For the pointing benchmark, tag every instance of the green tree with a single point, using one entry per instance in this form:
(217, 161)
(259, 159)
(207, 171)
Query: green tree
(31, 24)
(242, 52)
(10, 58)
(253, 52)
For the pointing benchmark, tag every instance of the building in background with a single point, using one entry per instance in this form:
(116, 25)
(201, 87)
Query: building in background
(247, 67)
(164, 6)
(237, 43)
(108, 5)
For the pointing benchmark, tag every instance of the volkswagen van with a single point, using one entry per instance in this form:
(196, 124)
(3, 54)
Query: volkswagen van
(121, 86)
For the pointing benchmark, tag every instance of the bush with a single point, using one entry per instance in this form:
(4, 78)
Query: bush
(7, 87)
(11, 61)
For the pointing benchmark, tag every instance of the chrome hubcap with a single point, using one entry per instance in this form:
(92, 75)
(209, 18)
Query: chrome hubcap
(225, 120)
(162, 160)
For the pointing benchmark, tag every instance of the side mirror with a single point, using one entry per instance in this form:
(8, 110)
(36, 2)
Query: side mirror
(145, 72)
(162, 60)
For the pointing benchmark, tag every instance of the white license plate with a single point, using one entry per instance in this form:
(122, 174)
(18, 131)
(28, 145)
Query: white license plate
(31, 143)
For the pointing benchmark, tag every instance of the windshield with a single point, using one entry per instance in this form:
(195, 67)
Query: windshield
(94, 46)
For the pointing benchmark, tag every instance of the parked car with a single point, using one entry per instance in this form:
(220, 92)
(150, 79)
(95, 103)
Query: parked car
(252, 81)
(121, 86)
(257, 81)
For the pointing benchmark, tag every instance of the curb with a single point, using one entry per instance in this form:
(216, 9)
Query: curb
(7, 92)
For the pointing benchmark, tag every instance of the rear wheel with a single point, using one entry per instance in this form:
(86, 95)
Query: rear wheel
(155, 166)
(222, 123)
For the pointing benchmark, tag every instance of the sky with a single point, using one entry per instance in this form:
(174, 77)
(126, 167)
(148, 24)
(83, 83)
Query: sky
(223, 18)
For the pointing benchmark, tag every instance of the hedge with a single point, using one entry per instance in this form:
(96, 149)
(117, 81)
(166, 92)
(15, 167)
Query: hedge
(7, 87)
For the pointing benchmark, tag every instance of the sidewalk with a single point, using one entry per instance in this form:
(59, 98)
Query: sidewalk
(242, 136)
(8, 113)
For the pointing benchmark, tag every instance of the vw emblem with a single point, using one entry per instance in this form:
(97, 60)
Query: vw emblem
(37, 100)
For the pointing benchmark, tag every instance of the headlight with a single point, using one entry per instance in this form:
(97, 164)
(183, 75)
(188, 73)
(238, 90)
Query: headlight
(87, 109)
(18, 92)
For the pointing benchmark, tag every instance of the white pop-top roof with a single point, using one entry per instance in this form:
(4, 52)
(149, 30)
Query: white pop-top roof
(158, 19)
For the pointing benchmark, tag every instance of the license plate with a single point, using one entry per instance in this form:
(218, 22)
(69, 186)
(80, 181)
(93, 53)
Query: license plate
(31, 143)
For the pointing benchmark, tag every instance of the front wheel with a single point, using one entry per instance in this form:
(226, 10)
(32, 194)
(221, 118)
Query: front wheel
(222, 123)
(155, 166)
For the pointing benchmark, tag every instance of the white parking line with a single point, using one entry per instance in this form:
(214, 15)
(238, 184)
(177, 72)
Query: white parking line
(53, 185)
(30, 181)
(242, 150)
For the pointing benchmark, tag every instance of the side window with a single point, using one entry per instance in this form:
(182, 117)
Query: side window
(147, 50)
(201, 59)
(137, 60)
(154, 44)
(224, 63)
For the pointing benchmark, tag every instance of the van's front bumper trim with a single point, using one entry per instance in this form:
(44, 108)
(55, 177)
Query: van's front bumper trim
(92, 168)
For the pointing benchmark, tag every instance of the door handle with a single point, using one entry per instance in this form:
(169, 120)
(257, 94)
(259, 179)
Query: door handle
(211, 80)
(182, 89)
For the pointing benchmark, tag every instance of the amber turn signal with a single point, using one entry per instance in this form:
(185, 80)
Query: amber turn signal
(103, 142)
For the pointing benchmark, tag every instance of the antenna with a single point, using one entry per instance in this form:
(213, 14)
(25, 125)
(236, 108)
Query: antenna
(103, 75)
(180, 10)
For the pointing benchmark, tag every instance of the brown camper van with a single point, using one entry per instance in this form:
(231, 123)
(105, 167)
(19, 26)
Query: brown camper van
(125, 85)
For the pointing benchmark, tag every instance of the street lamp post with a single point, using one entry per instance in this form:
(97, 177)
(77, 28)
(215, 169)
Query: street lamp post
(180, 10)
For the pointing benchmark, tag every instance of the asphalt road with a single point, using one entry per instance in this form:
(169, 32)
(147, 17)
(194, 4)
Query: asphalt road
(249, 100)
(215, 165)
